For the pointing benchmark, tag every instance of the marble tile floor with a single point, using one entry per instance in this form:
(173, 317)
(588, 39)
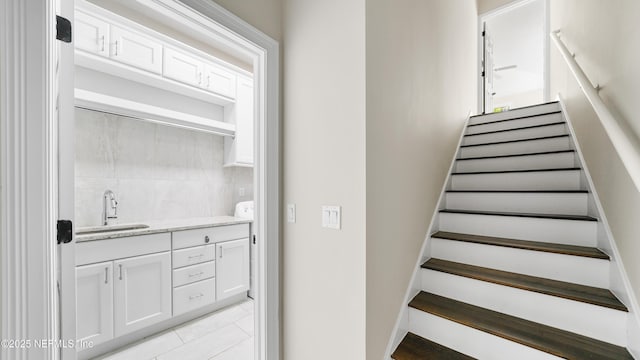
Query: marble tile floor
(226, 334)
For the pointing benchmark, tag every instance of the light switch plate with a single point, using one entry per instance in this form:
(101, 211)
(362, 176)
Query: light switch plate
(291, 213)
(331, 217)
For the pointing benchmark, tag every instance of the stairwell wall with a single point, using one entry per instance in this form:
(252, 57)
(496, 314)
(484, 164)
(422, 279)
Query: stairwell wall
(421, 75)
(606, 39)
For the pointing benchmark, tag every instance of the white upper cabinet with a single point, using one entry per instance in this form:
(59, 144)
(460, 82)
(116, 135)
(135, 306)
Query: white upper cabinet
(219, 80)
(94, 308)
(142, 291)
(135, 49)
(91, 34)
(232, 268)
(182, 67)
(239, 150)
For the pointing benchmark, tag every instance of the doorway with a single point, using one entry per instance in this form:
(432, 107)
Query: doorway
(514, 56)
(53, 192)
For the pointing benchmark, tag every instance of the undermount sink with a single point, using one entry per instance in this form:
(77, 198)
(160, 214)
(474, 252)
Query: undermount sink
(109, 228)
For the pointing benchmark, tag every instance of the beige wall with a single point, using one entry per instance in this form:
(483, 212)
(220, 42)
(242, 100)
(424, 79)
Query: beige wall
(324, 164)
(265, 15)
(488, 5)
(421, 79)
(606, 40)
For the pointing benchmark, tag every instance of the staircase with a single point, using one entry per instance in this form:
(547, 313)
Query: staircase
(513, 269)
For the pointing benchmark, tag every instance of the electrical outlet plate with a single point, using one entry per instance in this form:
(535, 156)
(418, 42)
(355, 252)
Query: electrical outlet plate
(291, 213)
(331, 217)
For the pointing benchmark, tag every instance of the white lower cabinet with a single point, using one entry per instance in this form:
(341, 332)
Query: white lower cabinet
(232, 268)
(94, 312)
(142, 292)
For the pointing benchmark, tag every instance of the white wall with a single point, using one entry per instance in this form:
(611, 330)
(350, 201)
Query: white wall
(421, 77)
(488, 5)
(606, 40)
(157, 172)
(324, 164)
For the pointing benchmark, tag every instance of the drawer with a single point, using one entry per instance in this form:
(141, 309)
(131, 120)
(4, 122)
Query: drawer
(194, 255)
(193, 273)
(193, 296)
(88, 252)
(195, 237)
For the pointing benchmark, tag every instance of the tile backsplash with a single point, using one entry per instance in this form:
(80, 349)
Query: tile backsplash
(157, 172)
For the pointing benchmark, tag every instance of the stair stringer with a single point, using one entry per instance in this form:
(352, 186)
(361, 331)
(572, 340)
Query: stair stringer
(619, 282)
(401, 327)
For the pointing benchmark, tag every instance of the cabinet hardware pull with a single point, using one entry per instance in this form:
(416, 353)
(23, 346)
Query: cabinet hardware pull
(196, 296)
(199, 78)
(120, 266)
(196, 274)
(206, 239)
(195, 256)
(116, 50)
(106, 275)
(208, 80)
(102, 42)
(221, 251)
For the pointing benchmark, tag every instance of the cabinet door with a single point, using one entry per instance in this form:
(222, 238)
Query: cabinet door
(91, 34)
(94, 302)
(219, 80)
(182, 67)
(142, 291)
(232, 268)
(135, 49)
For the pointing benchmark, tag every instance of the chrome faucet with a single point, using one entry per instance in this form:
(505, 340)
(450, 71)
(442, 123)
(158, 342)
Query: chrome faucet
(109, 197)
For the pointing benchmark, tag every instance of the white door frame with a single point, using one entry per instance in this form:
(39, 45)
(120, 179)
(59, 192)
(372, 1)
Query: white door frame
(546, 29)
(28, 170)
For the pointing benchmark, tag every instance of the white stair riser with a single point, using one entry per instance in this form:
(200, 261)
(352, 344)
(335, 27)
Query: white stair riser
(539, 203)
(571, 232)
(573, 269)
(544, 180)
(534, 110)
(515, 123)
(531, 162)
(520, 134)
(585, 319)
(469, 341)
(520, 147)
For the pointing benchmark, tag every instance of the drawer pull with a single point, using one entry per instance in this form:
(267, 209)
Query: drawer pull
(206, 239)
(193, 297)
(196, 274)
(196, 256)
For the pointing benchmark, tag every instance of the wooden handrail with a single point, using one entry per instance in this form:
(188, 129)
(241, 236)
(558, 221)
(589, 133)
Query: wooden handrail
(626, 144)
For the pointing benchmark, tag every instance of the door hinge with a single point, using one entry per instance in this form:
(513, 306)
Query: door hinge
(483, 74)
(63, 29)
(483, 33)
(254, 239)
(65, 231)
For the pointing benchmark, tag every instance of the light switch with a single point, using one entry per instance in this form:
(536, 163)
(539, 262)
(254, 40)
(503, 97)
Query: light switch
(291, 213)
(331, 217)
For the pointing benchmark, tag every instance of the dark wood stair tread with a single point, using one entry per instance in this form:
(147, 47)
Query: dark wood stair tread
(583, 251)
(576, 292)
(531, 215)
(517, 118)
(554, 341)
(515, 155)
(514, 141)
(518, 108)
(518, 128)
(414, 347)
(515, 171)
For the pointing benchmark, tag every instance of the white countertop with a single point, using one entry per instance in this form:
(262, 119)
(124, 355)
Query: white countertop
(161, 226)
